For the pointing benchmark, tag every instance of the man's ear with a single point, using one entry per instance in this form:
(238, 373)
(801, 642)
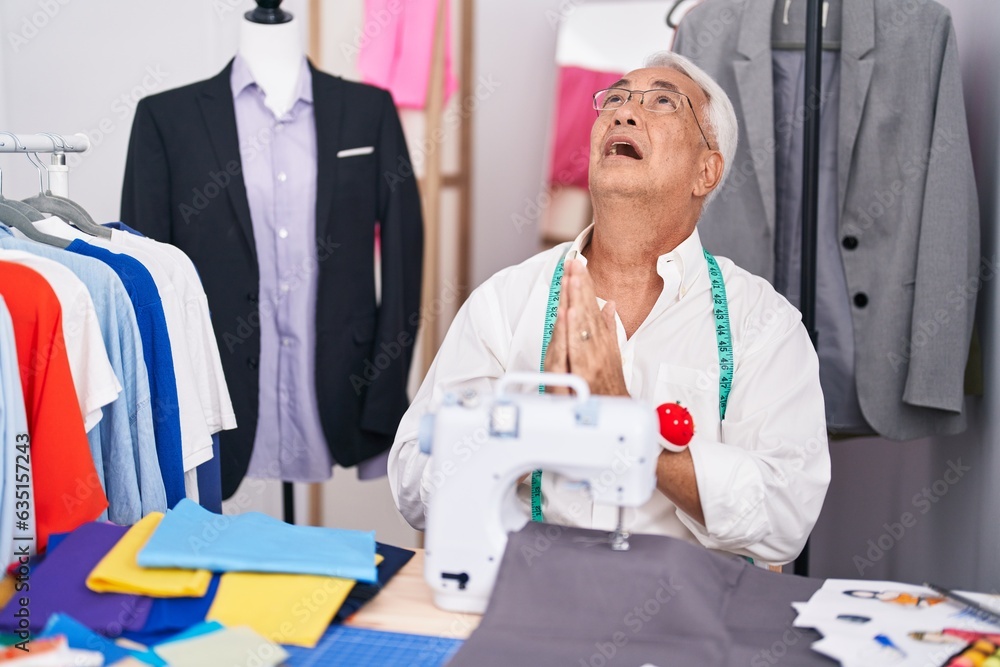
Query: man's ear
(710, 174)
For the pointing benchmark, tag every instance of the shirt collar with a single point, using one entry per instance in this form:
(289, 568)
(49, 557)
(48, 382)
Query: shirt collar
(241, 78)
(54, 226)
(685, 261)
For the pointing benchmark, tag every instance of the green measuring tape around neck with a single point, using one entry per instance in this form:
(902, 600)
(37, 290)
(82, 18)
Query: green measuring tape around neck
(723, 336)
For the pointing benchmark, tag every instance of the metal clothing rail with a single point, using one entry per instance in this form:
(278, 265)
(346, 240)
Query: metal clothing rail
(47, 142)
(44, 142)
(810, 192)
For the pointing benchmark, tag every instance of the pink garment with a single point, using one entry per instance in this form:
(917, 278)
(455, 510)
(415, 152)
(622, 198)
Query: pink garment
(397, 44)
(574, 118)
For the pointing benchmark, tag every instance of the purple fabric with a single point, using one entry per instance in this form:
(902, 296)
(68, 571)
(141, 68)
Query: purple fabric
(279, 171)
(58, 585)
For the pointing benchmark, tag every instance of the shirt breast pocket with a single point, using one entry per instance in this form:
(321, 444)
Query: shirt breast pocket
(697, 390)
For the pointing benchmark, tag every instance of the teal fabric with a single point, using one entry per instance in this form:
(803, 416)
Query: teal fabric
(80, 637)
(191, 537)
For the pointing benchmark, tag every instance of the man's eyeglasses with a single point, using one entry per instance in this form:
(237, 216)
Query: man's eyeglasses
(661, 100)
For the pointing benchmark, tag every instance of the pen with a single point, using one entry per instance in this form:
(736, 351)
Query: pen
(983, 612)
(888, 643)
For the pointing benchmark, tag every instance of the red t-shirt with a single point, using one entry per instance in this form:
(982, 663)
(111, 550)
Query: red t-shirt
(67, 490)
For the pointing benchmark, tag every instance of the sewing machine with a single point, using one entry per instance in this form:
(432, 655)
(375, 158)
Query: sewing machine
(481, 446)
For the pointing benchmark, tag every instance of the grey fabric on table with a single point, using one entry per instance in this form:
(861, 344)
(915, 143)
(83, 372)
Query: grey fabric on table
(564, 598)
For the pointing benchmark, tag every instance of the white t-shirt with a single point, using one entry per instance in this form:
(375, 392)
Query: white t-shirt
(93, 375)
(196, 440)
(212, 388)
(762, 474)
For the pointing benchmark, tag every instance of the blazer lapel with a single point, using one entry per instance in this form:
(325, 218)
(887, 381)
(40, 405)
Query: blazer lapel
(755, 81)
(328, 111)
(855, 77)
(216, 101)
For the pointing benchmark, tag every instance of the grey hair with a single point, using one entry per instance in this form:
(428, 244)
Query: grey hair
(718, 120)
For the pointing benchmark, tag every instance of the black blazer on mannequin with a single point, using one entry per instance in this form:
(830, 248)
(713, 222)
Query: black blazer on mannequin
(184, 186)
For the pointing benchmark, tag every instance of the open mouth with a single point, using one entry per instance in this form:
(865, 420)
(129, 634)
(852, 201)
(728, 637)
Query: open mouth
(623, 148)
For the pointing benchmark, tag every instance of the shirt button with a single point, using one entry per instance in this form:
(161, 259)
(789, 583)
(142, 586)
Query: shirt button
(860, 299)
(850, 242)
(286, 342)
(285, 287)
(252, 363)
(282, 176)
(283, 233)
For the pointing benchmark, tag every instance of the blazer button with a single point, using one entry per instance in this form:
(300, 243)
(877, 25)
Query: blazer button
(252, 297)
(252, 363)
(860, 299)
(850, 242)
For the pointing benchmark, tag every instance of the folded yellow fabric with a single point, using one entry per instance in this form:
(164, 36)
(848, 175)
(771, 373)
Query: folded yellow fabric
(285, 608)
(118, 571)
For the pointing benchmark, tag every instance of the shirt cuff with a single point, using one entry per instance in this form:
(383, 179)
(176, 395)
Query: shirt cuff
(732, 497)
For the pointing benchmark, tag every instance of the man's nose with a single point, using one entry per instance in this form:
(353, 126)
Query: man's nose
(627, 113)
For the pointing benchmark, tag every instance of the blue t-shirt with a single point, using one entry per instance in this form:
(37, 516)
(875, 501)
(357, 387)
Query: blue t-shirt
(158, 358)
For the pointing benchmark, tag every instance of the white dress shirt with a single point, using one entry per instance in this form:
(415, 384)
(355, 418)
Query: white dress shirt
(762, 474)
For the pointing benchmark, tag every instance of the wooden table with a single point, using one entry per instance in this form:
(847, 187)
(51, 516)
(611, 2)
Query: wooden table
(407, 605)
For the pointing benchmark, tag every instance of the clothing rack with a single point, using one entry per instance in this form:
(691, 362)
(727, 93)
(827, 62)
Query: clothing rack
(47, 142)
(43, 142)
(810, 191)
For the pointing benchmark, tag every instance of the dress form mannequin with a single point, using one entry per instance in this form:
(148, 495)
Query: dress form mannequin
(274, 53)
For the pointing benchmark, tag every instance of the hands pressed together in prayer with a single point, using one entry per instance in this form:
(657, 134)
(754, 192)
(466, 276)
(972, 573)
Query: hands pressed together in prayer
(585, 339)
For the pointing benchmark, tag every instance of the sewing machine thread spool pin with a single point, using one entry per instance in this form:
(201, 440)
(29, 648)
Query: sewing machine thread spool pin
(619, 538)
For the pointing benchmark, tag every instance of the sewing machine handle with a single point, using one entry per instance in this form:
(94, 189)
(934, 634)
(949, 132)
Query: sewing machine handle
(574, 382)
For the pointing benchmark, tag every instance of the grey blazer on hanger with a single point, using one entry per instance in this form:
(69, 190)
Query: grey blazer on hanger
(909, 216)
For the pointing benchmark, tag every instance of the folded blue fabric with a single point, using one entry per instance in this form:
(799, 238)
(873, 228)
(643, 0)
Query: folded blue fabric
(81, 637)
(190, 537)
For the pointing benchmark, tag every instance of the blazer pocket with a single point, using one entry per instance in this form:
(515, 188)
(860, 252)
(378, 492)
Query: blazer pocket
(353, 152)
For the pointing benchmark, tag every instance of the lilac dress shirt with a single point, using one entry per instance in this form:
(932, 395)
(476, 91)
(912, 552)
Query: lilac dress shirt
(279, 171)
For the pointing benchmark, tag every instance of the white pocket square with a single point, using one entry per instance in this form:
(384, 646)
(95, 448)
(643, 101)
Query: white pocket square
(351, 152)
